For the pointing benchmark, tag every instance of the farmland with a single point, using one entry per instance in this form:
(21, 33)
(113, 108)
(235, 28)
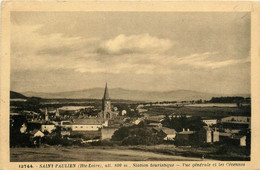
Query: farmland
(119, 153)
(90, 154)
(207, 112)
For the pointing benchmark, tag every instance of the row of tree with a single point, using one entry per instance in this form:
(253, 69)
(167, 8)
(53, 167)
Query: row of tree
(180, 122)
(235, 99)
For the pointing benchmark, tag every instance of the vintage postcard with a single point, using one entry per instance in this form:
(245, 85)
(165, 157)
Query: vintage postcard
(130, 85)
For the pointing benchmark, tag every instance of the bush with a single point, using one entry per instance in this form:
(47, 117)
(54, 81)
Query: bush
(136, 135)
(120, 134)
(57, 140)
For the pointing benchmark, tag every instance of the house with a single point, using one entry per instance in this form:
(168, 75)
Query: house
(180, 115)
(210, 122)
(124, 112)
(48, 127)
(86, 125)
(86, 128)
(35, 136)
(170, 133)
(36, 133)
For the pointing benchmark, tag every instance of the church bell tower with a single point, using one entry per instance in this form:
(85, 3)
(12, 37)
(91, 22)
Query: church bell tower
(106, 104)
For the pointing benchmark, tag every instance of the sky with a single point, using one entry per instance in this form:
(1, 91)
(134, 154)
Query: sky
(152, 51)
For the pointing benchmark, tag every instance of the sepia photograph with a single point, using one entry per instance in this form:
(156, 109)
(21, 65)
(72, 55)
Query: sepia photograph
(95, 86)
(130, 86)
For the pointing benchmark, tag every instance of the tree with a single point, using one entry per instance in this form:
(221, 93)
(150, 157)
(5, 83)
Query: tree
(166, 121)
(138, 135)
(178, 123)
(120, 134)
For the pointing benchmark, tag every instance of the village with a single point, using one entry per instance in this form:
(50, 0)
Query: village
(129, 124)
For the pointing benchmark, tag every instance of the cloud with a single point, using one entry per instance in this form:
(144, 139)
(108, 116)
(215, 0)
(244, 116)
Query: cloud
(142, 43)
(208, 60)
(137, 54)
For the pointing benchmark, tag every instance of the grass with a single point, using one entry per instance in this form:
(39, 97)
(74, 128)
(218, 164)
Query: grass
(209, 112)
(196, 152)
(119, 153)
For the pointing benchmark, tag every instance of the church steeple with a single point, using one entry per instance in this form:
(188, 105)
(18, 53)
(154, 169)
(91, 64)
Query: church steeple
(106, 105)
(106, 95)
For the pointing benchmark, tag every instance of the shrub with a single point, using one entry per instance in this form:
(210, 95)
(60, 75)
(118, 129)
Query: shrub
(120, 134)
(136, 135)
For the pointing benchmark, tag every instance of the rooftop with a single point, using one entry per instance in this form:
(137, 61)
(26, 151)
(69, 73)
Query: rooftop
(87, 122)
(186, 132)
(166, 130)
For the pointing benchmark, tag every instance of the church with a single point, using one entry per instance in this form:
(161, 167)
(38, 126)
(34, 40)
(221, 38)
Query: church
(106, 112)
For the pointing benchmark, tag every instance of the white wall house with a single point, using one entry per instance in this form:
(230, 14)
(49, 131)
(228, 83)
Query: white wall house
(123, 112)
(48, 128)
(36, 133)
(86, 125)
(210, 122)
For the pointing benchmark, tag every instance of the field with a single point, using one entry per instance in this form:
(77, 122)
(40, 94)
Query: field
(212, 105)
(118, 153)
(90, 154)
(206, 112)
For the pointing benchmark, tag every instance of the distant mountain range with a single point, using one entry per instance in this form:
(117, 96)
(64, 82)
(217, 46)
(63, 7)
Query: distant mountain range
(119, 93)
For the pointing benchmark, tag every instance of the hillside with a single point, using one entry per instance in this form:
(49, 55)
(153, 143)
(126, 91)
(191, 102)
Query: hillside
(119, 93)
(15, 95)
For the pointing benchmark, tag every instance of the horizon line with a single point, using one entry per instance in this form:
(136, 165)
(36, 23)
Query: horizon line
(131, 90)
